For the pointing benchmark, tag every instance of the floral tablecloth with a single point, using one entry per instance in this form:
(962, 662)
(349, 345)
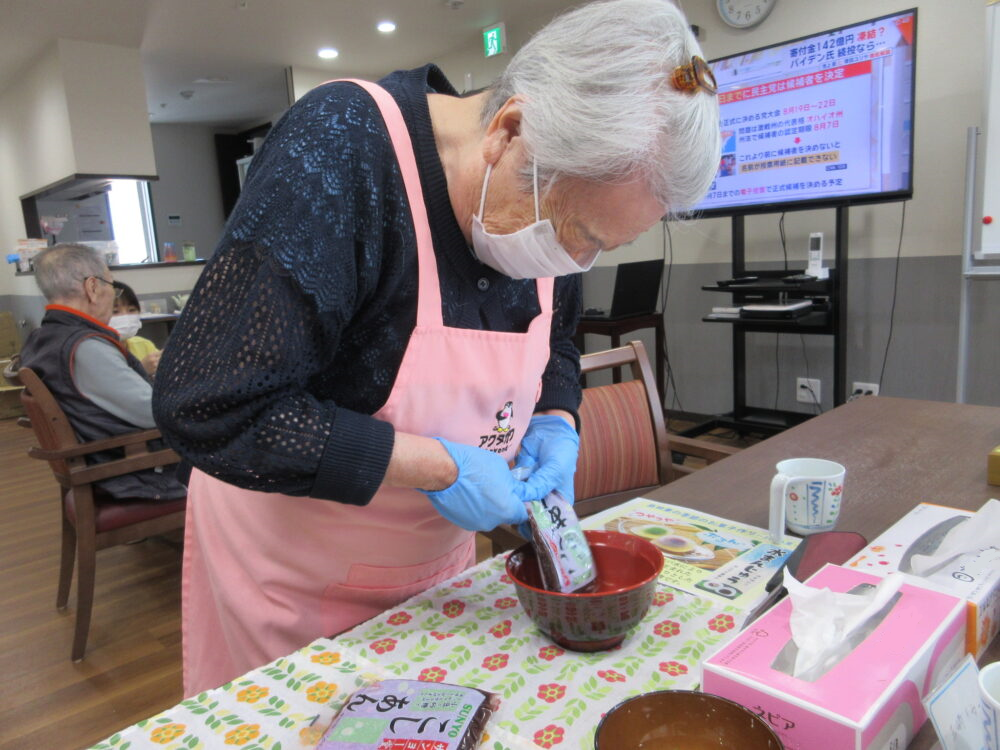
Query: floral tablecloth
(471, 631)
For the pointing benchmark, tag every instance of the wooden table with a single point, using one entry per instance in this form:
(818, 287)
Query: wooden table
(898, 453)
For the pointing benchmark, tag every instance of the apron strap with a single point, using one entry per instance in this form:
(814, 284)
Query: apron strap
(429, 297)
(545, 289)
(429, 291)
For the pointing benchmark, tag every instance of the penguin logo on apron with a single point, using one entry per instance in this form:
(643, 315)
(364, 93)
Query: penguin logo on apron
(504, 417)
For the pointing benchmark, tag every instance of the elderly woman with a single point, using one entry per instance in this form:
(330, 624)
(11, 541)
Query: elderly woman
(389, 314)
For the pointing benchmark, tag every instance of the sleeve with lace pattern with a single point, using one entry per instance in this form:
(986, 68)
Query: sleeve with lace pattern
(234, 393)
(561, 380)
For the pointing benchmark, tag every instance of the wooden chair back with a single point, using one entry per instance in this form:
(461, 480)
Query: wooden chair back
(52, 428)
(623, 438)
(89, 524)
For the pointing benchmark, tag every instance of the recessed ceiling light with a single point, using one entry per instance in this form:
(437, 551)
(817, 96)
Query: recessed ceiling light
(328, 53)
(386, 27)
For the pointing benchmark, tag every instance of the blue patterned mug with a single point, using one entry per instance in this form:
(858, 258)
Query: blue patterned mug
(808, 493)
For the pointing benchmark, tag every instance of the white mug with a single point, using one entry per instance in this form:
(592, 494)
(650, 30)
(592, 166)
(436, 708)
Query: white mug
(989, 692)
(806, 494)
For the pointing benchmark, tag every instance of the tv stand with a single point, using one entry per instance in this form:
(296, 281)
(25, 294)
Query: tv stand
(827, 318)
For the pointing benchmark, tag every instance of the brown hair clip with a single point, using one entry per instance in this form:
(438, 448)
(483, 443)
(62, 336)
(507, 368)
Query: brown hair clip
(693, 76)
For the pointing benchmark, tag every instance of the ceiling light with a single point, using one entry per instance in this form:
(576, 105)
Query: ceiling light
(328, 53)
(386, 27)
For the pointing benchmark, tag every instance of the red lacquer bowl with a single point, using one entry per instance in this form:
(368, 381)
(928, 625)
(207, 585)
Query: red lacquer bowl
(627, 568)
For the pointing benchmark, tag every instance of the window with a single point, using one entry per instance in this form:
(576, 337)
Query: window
(97, 211)
(132, 219)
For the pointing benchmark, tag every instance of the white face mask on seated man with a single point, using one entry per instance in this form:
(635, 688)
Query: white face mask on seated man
(126, 325)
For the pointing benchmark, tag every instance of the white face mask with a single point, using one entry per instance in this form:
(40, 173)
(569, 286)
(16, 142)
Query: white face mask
(529, 253)
(126, 325)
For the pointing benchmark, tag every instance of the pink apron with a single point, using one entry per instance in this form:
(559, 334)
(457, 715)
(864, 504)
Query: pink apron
(265, 574)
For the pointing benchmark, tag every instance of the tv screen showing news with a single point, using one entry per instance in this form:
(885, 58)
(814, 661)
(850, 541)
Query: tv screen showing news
(822, 120)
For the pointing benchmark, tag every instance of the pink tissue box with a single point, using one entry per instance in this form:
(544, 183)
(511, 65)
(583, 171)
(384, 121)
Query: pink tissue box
(871, 699)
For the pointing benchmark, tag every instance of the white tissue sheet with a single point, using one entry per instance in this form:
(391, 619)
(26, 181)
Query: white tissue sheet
(823, 621)
(978, 532)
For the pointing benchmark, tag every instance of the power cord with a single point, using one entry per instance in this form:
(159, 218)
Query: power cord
(812, 393)
(781, 233)
(805, 358)
(895, 286)
(668, 242)
(777, 336)
(777, 370)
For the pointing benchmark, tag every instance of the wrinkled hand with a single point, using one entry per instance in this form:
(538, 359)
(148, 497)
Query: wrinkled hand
(151, 361)
(485, 494)
(549, 450)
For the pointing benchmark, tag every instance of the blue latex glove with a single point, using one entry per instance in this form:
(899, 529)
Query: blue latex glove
(485, 494)
(549, 450)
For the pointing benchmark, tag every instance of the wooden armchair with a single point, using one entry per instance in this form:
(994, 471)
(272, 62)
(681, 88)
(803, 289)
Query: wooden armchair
(91, 522)
(624, 447)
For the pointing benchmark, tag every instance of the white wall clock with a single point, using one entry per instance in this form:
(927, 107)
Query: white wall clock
(742, 14)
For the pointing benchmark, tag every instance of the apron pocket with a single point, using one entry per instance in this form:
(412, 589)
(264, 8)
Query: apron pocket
(370, 589)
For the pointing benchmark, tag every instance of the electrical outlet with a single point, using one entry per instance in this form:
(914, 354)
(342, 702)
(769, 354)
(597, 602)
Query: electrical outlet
(864, 389)
(807, 390)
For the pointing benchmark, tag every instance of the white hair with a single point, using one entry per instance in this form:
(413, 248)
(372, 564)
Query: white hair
(599, 103)
(61, 269)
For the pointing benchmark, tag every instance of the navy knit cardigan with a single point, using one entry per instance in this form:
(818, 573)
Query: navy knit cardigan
(296, 328)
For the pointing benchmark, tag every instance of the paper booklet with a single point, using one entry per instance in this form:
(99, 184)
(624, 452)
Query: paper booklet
(704, 555)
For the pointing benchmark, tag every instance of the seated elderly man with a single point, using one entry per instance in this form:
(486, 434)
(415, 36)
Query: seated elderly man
(103, 389)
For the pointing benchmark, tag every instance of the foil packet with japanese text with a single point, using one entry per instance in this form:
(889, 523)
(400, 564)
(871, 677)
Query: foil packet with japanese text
(411, 715)
(564, 556)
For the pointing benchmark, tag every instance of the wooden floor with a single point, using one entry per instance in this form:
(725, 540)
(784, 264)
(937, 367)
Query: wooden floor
(132, 667)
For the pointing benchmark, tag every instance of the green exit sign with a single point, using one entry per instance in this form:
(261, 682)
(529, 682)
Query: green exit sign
(495, 40)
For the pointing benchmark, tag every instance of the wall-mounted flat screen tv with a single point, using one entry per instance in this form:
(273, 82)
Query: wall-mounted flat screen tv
(822, 120)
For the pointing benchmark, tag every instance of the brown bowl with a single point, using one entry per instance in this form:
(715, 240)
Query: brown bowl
(671, 719)
(627, 568)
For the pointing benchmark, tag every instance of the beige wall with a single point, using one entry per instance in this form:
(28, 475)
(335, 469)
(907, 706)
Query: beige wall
(106, 93)
(34, 124)
(36, 146)
(305, 80)
(950, 76)
(188, 186)
(80, 108)
(950, 79)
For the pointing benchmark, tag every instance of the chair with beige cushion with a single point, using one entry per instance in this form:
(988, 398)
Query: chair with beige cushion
(624, 447)
(91, 521)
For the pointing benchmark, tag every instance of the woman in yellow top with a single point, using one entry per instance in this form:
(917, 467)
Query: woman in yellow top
(125, 319)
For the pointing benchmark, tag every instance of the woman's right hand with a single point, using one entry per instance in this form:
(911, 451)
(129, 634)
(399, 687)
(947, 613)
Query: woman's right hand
(484, 495)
